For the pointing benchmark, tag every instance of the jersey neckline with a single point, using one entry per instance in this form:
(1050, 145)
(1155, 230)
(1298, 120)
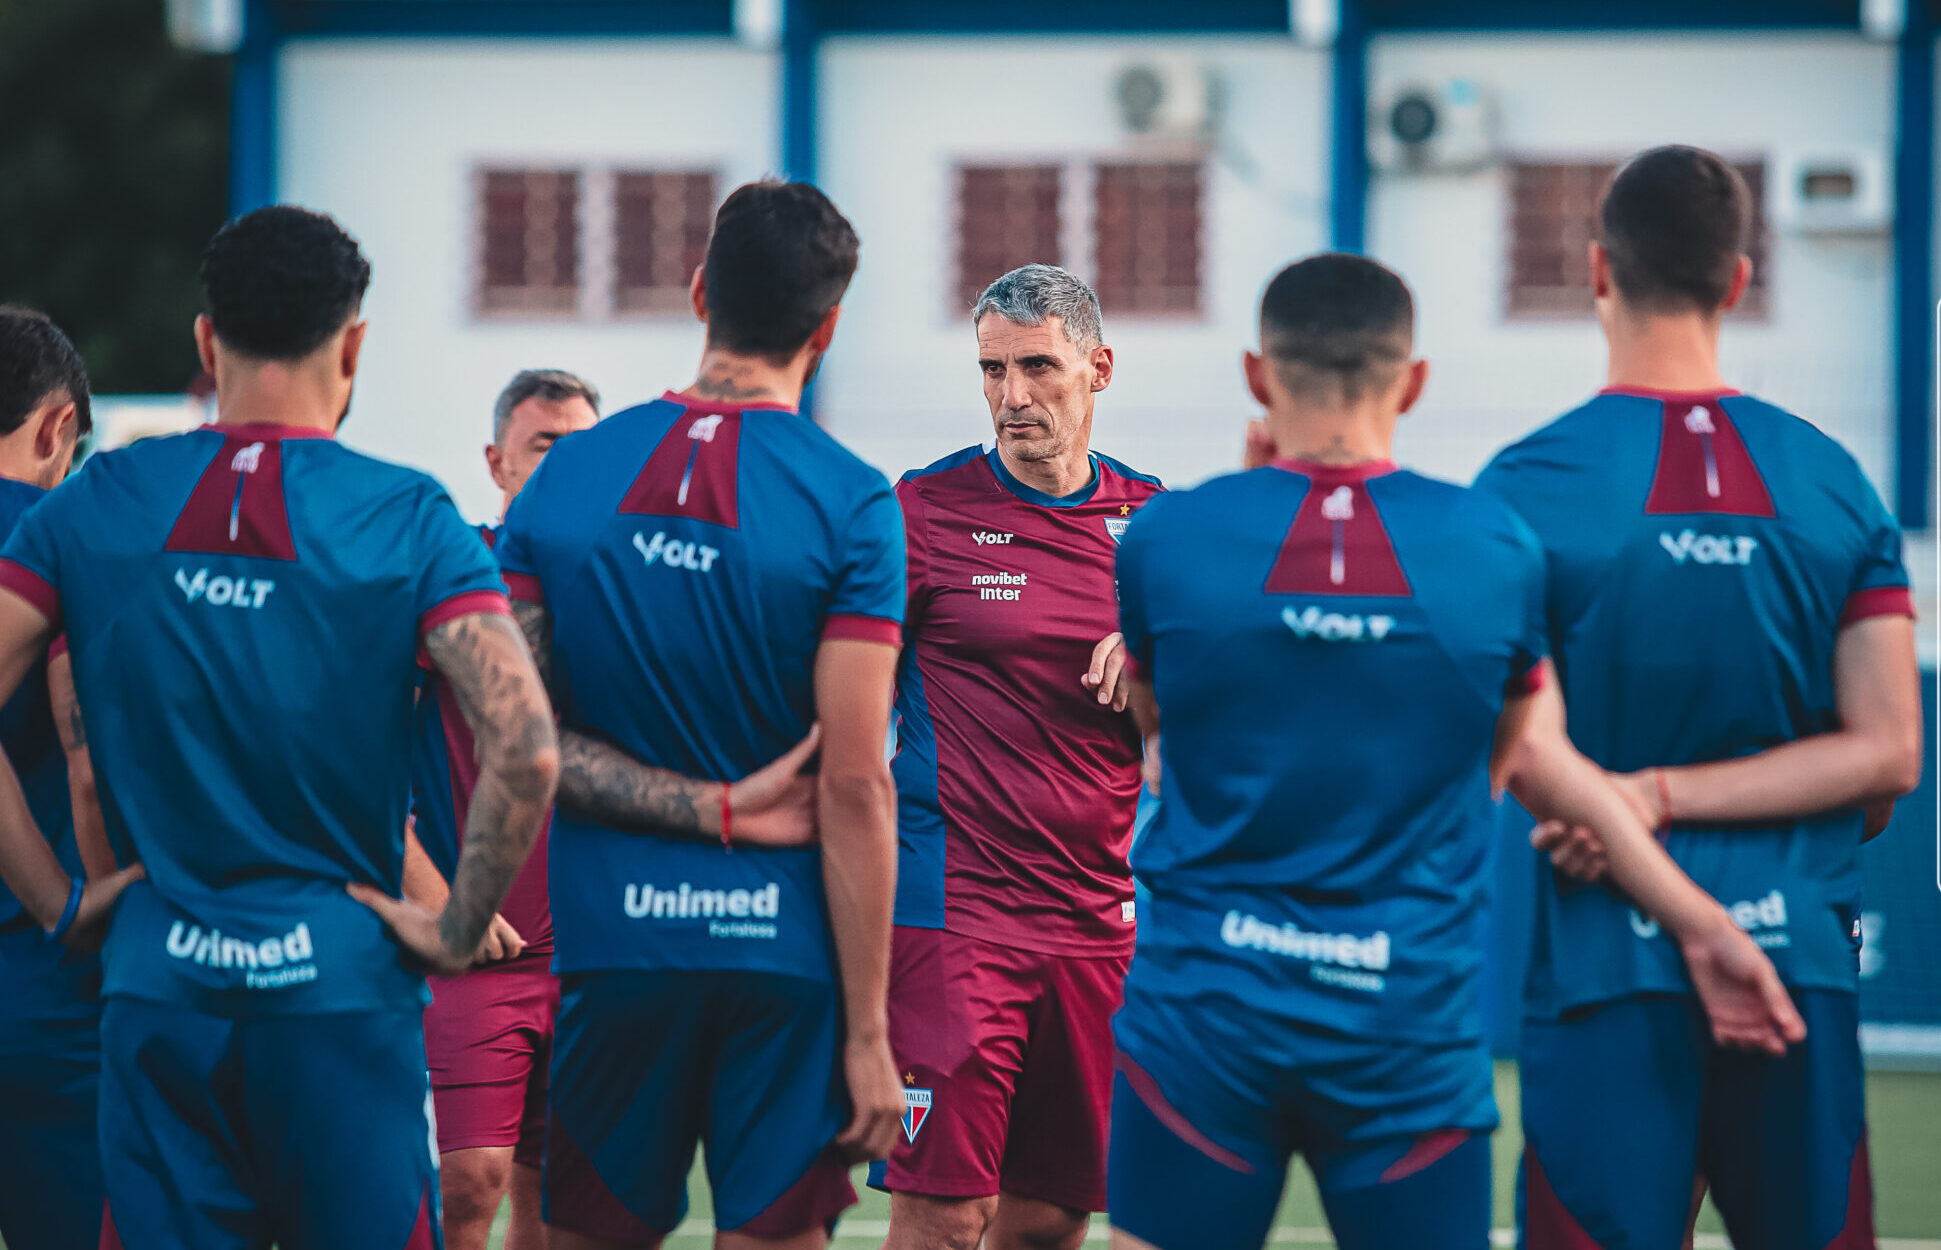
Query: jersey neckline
(712, 407)
(1032, 495)
(1336, 472)
(264, 430)
(1652, 392)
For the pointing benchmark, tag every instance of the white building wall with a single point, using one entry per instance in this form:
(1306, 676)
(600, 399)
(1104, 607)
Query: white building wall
(901, 385)
(1825, 349)
(385, 134)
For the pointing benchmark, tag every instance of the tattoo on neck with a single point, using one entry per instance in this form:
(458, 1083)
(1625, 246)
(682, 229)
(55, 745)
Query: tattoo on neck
(1338, 453)
(718, 382)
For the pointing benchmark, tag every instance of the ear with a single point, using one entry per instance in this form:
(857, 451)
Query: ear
(57, 430)
(1741, 279)
(353, 347)
(697, 295)
(1254, 367)
(495, 462)
(205, 344)
(1102, 364)
(1600, 261)
(1417, 377)
(826, 331)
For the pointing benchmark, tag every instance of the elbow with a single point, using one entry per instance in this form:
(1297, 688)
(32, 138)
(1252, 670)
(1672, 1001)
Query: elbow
(530, 767)
(863, 792)
(1902, 764)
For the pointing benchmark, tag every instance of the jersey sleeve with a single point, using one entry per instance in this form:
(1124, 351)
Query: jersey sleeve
(515, 547)
(1532, 642)
(457, 575)
(1134, 623)
(30, 563)
(1879, 586)
(916, 542)
(870, 591)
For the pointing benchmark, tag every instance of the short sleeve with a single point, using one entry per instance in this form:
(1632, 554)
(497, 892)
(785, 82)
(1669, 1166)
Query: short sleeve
(1532, 641)
(30, 562)
(871, 582)
(1879, 586)
(916, 542)
(457, 575)
(515, 543)
(1135, 623)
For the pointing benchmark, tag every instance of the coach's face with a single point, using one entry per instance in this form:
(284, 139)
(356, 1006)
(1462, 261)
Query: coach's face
(535, 426)
(1039, 385)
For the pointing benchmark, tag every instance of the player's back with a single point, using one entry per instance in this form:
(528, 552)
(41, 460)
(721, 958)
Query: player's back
(1329, 648)
(1704, 551)
(693, 556)
(243, 606)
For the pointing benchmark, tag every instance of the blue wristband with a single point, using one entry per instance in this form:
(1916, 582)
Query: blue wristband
(66, 921)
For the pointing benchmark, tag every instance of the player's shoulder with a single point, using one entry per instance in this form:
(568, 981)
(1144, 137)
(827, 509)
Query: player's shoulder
(1575, 435)
(1798, 439)
(15, 499)
(1137, 483)
(943, 471)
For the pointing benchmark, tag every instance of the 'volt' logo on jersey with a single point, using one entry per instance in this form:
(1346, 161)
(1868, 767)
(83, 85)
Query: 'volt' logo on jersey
(990, 538)
(674, 553)
(238, 592)
(1312, 622)
(1709, 548)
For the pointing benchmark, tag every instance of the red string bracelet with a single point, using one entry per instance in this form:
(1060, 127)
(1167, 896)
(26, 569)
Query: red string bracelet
(727, 820)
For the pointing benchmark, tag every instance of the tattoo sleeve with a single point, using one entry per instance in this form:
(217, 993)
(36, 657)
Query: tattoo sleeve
(601, 782)
(536, 623)
(486, 662)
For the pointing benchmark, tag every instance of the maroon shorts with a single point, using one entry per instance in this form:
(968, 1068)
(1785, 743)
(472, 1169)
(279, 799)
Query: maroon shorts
(488, 1039)
(1007, 1067)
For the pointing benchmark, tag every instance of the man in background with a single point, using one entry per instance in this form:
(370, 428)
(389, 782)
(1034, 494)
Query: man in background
(489, 1032)
(1017, 773)
(50, 1006)
(1731, 619)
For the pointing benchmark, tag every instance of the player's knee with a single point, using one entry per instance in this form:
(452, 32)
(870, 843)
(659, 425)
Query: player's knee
(473, 1183)
(923, 1222)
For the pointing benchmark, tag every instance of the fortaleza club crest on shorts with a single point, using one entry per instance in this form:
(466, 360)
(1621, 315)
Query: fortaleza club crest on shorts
(916, 1109)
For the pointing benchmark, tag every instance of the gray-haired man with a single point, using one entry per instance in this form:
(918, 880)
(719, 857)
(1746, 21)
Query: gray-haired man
(1017, 775)
(489, 1034)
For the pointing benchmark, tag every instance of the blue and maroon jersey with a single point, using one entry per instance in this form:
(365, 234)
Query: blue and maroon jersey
(1015, 788)
(39, 982)
(1330, 648)
(1704, 551)
(444, 768)
(243, 605)
(693, 557)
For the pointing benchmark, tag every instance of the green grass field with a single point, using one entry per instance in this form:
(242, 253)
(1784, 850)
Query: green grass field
(1903, 1109)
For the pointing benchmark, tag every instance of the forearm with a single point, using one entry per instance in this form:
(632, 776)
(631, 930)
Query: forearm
(1823, 773)
(857, 814)
(1554, 782)
(90, 830)
(600, 782)
(27, 862)
(423, 883)
(509, 806)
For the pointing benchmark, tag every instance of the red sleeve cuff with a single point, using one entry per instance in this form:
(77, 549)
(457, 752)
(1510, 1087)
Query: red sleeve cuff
(32, 587)
(863, 629)
(57, 648)
(1880, 601)
(525, 588)
(471, 603)
(1529, 681)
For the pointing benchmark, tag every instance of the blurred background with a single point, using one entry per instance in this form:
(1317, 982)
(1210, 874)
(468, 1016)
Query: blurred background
(534, 180)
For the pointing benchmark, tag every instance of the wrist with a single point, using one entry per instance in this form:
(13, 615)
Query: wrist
(716, 802)
(70, 907)
(870, 1033)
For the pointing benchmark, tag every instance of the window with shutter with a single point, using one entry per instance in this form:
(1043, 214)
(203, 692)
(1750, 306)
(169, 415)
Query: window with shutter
(528, 246)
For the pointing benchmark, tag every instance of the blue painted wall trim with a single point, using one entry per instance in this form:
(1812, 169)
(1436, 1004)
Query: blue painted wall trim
(1589, 15)
(1348, 128)
(801, 35)
(252, 112)
(1914, 272)
(505, 17)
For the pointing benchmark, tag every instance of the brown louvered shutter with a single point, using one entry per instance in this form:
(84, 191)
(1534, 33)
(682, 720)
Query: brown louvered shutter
(528, 241)
(661, 221)
(1148, 236)
(1007, 215)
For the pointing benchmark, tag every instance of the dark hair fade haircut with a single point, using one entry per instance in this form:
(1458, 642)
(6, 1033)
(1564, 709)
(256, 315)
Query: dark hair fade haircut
(38, 361)
(281, 280)
(780, 258)
(1674, 221)
(1336, 326)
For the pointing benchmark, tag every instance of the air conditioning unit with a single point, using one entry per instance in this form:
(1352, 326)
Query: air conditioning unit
(206, 25)
(1166, 98)
(1446, 128)
(1832, 191)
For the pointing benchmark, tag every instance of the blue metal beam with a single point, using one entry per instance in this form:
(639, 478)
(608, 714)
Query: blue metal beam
(1914, 326)
(801, 39)
(1348, 149)
(252, 112)
(505, 17)
(1590, 15)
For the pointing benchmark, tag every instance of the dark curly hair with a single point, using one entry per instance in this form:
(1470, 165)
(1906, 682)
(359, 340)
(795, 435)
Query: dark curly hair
(281, 280)
(36, 361)
(780, 258)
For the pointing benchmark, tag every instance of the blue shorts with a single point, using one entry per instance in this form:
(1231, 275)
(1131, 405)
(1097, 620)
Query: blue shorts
(309, 1131)
(1211, 1101)
(50, 1165)
(1628, 1105)
(648, 1064)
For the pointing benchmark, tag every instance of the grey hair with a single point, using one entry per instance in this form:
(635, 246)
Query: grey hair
(548, 384)
(1031, 293)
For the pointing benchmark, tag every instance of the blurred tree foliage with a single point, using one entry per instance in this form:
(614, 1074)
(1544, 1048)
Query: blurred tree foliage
(113, 174)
